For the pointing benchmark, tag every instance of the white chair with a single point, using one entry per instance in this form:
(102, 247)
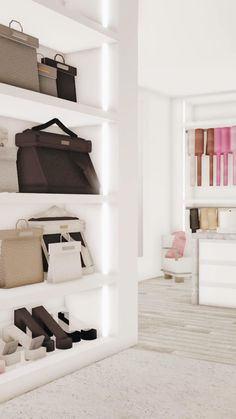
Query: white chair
(178, 267)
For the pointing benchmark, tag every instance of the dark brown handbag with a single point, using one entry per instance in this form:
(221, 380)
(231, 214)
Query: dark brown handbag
(55, 163)
(65, 77)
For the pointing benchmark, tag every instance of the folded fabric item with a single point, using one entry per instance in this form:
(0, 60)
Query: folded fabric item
(218, 152)
(8, 170)
(225, 148)
(210, 153)
(191, 153)
(233, 149)
(59, 225)
(199, 151)
(178, 245)
(194, 219)
(208, 219)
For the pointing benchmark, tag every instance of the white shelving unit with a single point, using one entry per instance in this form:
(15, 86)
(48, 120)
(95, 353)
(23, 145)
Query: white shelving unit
(36, 294)
(107, 83)
(32, 106)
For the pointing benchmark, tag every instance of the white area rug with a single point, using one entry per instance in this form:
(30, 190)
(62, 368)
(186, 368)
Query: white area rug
(135, 384)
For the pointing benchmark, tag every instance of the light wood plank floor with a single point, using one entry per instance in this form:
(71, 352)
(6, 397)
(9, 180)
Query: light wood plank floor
(168, 322)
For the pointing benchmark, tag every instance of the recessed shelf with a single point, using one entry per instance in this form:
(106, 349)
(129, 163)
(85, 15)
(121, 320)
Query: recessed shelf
(201, 203)
(43, 198)
(56, 357)
(58, 27)
(38, 293)
(33, 106)
(212, 123)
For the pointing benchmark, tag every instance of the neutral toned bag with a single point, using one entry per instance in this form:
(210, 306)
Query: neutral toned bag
(64, 262)
(47, 79)
(8, 170)
(18, 58)
(20, 257)
(57, 222)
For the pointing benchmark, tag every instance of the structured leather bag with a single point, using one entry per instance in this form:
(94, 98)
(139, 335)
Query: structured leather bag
(20, 257)
(47, 79)
(64, 263)
(65, 77)
(18, 58)
(58, 226)
(55, 163)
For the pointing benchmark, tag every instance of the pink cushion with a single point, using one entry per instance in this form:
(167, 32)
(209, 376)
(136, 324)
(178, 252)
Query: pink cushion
(179, 242)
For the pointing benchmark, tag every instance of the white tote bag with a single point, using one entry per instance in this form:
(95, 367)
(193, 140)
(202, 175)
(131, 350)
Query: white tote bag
(8, 170)
(64, 263)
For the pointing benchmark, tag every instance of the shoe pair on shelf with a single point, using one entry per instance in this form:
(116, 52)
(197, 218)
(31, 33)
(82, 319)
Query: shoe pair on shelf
(42, 326)
(41, 323)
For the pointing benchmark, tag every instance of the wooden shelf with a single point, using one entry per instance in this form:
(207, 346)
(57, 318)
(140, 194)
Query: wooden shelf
(36, 107)
(48, 24)
(38, 293)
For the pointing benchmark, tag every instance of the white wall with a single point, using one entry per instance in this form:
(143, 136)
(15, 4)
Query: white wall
(154, 132)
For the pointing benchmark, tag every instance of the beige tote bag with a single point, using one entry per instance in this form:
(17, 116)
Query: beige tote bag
(20, 257)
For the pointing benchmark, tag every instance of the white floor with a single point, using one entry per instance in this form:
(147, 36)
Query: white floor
(135, 384)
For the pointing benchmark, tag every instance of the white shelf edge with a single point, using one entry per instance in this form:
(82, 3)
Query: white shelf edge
(198, 203)
(214, 123)
(48, 198)
(28, 105)
(21, 197)
(75, 15)
(34, 294)
(27, 367)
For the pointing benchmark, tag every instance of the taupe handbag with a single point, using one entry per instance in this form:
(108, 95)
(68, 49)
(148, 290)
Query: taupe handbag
(8, 170)
(47, 79)
(20, 256)
(18, 58)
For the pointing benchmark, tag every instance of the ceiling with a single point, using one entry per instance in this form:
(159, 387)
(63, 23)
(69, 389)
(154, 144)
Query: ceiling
(187, 46)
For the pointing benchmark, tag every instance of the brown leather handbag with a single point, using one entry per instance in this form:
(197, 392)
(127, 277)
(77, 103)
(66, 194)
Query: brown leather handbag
(55, 163)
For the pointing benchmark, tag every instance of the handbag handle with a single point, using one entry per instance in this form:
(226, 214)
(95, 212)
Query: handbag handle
(16, 21)
(59, 124)
(20, 220)
(60, 55)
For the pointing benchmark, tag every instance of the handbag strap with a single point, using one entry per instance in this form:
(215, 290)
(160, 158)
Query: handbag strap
(20, 221)
(59, 124)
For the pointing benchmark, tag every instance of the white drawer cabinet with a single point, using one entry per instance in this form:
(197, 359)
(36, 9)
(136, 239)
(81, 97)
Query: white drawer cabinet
(217, 272)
